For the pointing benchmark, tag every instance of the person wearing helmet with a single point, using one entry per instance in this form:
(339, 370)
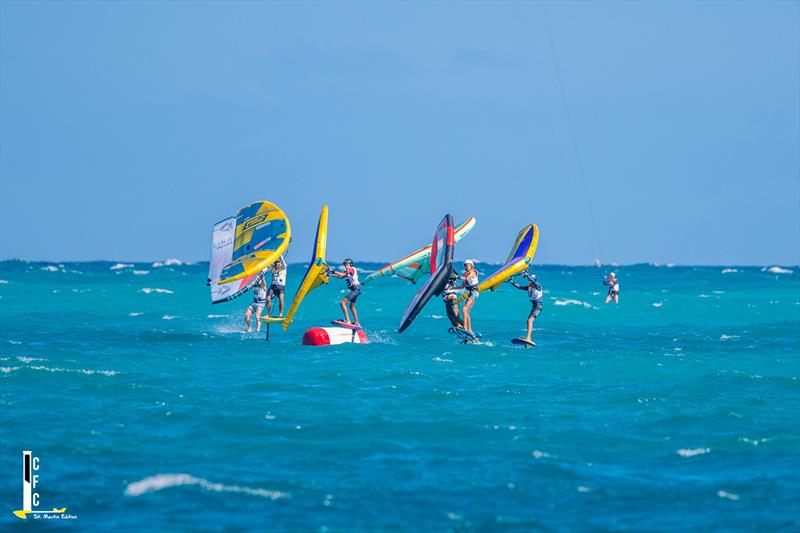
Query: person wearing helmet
(450, 297)
(613, 288)
(535, 295)
(278, 286)
(470, 285)
(259, 299)
(350, 277)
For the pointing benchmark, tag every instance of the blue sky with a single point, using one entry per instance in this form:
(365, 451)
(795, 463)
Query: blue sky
(629, 131)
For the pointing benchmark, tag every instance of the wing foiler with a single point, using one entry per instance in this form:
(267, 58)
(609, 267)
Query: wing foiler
(222, 238)
(518, 259)
(415, 265)
(262, 235)
(316, 273)
(440, 264)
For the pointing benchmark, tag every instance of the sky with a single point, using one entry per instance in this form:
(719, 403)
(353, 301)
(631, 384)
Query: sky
(628, 131)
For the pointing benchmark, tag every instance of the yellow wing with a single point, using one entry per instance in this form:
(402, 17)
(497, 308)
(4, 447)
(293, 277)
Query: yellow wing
(316, 272)
(518, 259)
(263, 233)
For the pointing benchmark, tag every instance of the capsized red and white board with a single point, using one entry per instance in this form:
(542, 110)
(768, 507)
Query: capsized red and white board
(330, 336)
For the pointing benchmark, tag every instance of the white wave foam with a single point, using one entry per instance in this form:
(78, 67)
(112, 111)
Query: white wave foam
(50, 268)
(169, 317)
(168, 263)
(684, 452)
(165, 481)
(24, 359)
(148, 290)
(729, 270)
(15, 342)
(440, 360)
(538, 454)
(754, 442)
(437, 317)
(88, 372)
(141, 272)
(216, 316)
(3, 282)
(135, 314)
(72, 370)
(120, 266)
(777, 270)
(728, 495)
(657, 304)
(728, 337)
(228, 329)
(704, 296)
(573, 302)
(8, 369)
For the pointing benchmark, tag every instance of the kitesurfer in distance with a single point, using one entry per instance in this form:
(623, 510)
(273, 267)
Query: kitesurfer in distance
(259, 299)
(450, 297)
(350, 277)
(470, 279)
(535, 295)
(613, 288)
(277, 287)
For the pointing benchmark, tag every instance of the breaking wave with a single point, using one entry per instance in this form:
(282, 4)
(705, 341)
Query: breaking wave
(169, 262)
(165, 481)
(148, 290)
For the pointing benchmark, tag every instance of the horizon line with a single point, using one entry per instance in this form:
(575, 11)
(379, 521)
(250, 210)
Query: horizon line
(180, 262)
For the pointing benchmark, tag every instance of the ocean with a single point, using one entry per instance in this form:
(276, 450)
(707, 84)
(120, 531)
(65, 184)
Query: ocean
(147, 408)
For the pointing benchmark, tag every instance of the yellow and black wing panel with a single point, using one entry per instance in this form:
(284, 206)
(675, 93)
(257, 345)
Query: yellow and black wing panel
(519, 259)
(262, 236)
(316, 273)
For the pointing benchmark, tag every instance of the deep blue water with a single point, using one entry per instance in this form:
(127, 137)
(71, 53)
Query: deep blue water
(678, 410)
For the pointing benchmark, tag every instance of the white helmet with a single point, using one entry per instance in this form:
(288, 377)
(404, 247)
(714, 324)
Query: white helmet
(612, 275)
(469, 262)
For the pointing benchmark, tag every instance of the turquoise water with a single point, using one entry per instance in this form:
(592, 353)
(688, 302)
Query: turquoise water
(149, 409)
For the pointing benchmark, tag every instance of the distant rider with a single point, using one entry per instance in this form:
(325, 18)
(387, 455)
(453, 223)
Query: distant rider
(450, 297)
(259, 299)
(470, 279)
(277, 287)
(350, 277)
(535, 295)
(613, 288)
